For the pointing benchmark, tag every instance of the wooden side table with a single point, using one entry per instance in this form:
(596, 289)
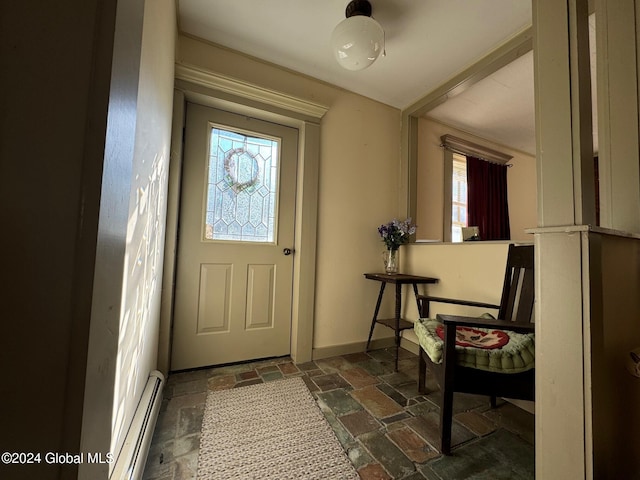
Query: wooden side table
(396, 323)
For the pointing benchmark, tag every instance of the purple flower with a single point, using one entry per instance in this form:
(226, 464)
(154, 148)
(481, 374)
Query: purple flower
(396, 233)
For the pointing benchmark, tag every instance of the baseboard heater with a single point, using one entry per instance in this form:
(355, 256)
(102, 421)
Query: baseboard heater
(133, 456)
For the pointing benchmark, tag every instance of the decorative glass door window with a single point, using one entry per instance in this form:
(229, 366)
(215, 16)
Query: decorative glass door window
(242, 186)
(459, 197)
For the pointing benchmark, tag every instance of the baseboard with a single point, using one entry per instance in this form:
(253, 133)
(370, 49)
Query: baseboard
(133, 456)
(527, 405)
(410, 345)
(347, 348)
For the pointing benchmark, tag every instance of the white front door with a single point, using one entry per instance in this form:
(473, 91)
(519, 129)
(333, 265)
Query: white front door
(234, 273)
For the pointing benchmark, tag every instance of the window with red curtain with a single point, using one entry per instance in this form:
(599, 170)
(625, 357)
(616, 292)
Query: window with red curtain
(488, 207)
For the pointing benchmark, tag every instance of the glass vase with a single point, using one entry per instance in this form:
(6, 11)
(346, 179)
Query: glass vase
(391, 261)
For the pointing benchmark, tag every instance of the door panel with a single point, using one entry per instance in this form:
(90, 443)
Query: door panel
(260, 290)
(213, 301)
(233, 282)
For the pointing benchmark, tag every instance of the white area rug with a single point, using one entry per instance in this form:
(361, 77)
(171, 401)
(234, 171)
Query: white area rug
(273, 430)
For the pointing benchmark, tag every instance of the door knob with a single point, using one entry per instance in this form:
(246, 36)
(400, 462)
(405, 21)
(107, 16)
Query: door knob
(287, 251)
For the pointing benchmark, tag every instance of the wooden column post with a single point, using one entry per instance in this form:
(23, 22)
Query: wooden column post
(566, 200)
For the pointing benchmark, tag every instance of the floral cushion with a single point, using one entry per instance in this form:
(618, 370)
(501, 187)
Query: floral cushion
(515, 356)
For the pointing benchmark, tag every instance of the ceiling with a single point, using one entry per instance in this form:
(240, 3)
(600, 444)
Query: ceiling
(500, 107)
(427, 43)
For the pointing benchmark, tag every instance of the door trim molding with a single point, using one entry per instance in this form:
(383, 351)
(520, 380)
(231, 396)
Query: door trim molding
(222, 83)
(214, 90)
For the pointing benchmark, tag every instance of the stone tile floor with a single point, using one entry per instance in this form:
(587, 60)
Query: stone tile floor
(387, 428)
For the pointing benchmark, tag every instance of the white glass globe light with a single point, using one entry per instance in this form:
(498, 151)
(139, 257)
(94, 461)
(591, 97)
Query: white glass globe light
(357, 42)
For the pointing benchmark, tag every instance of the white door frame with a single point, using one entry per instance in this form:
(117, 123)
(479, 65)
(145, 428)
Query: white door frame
(213, 90)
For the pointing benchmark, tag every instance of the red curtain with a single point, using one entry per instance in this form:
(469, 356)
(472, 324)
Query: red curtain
(487, 204)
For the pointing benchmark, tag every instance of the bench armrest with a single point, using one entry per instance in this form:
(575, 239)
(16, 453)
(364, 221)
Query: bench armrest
(486, 323)
(425, 301)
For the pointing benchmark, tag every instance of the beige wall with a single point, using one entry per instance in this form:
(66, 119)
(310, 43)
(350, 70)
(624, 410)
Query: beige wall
(358, 187)
(358, 192)
(143, 263)
(457, 268)
(521, 180)
(125, 305)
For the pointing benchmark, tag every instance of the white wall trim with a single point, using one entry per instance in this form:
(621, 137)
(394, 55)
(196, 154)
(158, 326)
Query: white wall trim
(349, 348)
(249, 91)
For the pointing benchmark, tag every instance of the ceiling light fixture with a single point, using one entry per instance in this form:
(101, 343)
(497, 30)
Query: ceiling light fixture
(358, 40)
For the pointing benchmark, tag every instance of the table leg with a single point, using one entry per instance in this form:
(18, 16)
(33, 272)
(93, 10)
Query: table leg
(398, 311)
(375, 314)
(415, 292)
